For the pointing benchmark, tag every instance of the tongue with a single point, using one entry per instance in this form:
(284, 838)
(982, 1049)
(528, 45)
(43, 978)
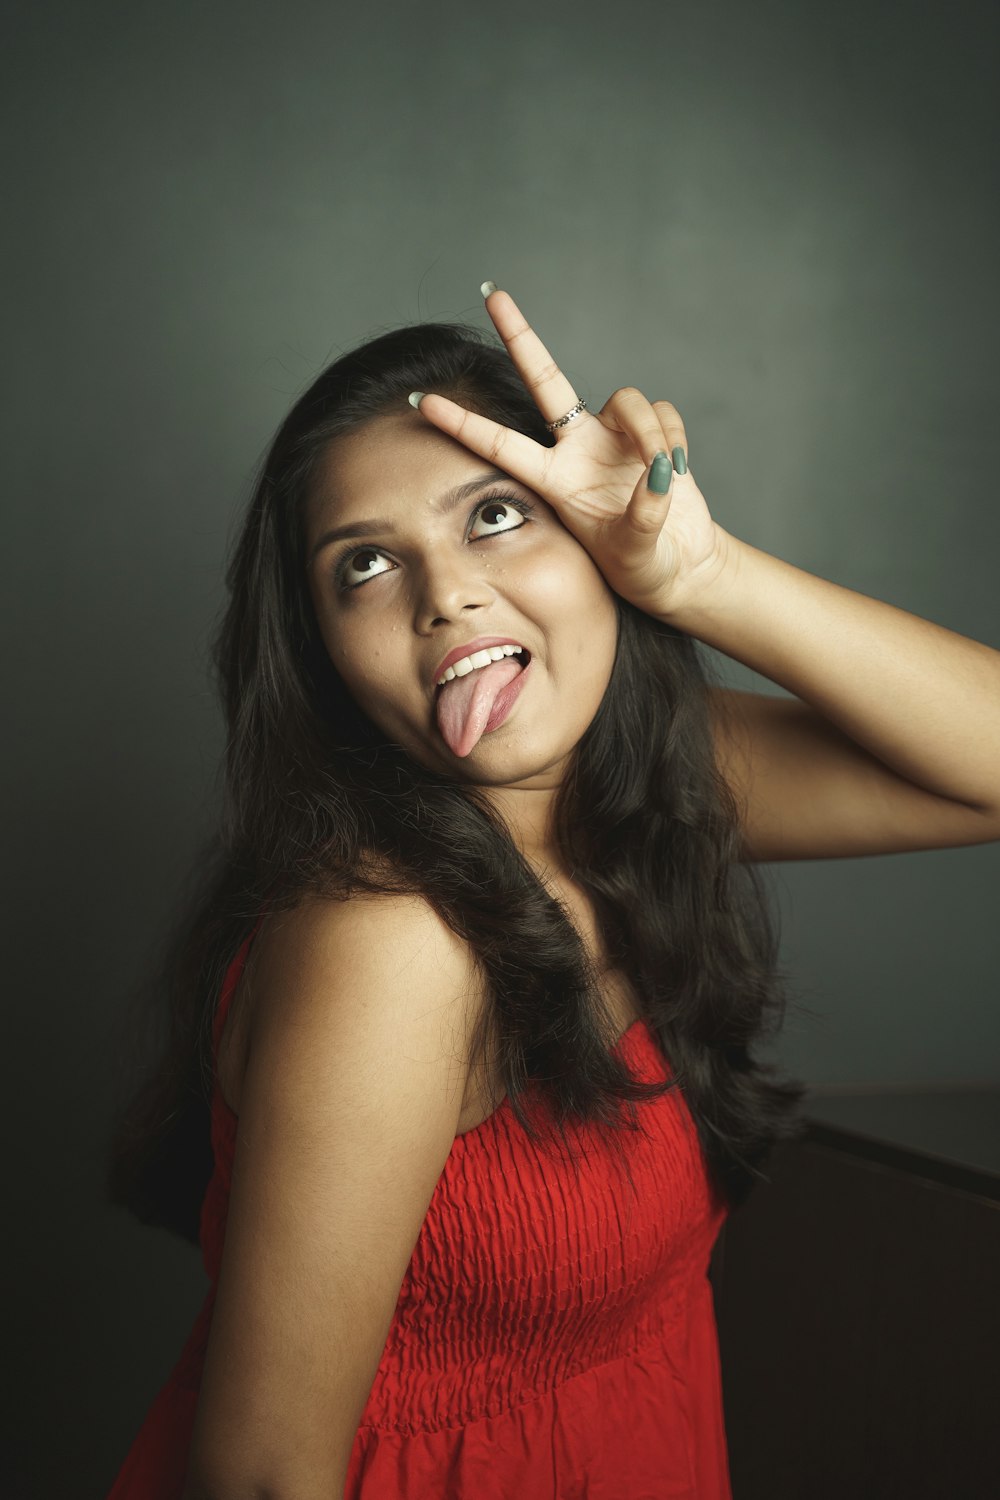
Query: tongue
(465, 703)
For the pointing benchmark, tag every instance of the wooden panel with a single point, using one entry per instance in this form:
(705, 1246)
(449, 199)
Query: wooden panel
(858, 1305)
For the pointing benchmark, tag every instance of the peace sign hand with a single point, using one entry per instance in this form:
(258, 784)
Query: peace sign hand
(654, 550)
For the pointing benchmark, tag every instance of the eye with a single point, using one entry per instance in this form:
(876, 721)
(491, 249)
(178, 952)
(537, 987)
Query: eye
(497, 513)
(501, 506)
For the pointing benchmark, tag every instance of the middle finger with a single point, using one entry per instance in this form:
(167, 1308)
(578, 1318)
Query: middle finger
(551, 391)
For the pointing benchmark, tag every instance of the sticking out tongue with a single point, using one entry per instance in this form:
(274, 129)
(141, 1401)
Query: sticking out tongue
(465, 703)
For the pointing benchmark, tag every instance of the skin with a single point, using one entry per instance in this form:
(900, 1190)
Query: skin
(438, 582)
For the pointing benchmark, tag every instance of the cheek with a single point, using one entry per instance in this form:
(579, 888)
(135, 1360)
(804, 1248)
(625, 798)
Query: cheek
(368, 674)
(557, 579)
(366, 671)
(570, 590)
(346, 657)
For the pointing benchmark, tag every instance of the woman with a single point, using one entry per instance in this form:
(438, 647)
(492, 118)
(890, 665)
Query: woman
(484, 954)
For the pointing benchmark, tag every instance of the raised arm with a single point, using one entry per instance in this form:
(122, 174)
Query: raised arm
(893, 740)
(361, 1016)
(892, 744)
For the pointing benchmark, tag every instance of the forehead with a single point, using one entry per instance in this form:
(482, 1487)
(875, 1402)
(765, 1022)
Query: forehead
(390, 462)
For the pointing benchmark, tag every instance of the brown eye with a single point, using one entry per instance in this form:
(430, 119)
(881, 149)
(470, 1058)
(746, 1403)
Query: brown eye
(501, 512)
(368, 552)
(495, 512)
(350, 563)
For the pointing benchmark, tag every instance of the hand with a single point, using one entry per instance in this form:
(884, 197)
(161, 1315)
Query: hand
(652, 549)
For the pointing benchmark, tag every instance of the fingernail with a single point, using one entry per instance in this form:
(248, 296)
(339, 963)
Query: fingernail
(415, 398)
(659, 474)
(680, 462)
(487, 287)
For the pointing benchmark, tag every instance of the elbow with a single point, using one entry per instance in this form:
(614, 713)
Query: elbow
(252, 1491)
(198, 1486)
(194, 1491)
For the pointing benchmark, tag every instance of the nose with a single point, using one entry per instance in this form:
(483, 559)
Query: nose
(448, 590)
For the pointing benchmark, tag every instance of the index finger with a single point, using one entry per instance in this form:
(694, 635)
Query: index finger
(519, 456)
(551, 391)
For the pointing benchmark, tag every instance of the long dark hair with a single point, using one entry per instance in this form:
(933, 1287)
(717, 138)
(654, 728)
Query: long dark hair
(316, 800)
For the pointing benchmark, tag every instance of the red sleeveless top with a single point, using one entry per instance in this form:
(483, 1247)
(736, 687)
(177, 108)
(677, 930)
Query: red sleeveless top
(554, 1336)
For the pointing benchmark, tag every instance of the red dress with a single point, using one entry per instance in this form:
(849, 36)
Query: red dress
(554, 1336)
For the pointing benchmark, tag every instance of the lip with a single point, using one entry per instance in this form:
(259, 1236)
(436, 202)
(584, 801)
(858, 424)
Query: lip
(480, 643)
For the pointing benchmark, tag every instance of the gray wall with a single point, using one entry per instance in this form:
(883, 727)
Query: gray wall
(783, 218)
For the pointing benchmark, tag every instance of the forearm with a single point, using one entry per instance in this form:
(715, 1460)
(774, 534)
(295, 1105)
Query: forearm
(923, 699)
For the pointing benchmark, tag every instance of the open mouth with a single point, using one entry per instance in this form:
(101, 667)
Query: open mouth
(480, 702)
(522, 660)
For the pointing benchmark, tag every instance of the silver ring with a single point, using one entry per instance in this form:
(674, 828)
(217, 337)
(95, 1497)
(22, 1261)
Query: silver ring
(574, 412)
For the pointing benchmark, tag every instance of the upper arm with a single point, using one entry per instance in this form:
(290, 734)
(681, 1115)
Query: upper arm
(808, 791)
(361, 1016)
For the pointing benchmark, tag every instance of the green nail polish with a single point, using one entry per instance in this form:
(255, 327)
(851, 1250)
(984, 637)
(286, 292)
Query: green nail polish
(659, 474)
(415, 398)
(487, 287)
(680, 462)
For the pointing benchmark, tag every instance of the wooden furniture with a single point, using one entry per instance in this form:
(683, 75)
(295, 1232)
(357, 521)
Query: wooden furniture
(858, 1302)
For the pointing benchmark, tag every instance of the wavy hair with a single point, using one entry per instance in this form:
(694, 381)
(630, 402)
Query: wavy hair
(316, 800)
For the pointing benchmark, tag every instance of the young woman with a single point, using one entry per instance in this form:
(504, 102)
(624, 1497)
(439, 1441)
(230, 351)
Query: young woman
(470, 993)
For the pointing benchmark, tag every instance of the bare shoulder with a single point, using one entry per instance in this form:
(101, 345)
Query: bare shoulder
(358, 971)
(296, 955)
(360, 1014)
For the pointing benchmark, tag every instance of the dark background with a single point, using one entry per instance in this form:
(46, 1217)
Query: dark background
(781, 217)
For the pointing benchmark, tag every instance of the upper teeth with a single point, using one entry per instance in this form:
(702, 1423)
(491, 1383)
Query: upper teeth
(477, 659)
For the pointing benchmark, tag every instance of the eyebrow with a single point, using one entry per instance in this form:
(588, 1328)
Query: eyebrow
(449, 500)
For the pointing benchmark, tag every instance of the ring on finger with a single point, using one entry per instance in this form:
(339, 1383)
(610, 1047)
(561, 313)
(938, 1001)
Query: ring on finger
(573, 412)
